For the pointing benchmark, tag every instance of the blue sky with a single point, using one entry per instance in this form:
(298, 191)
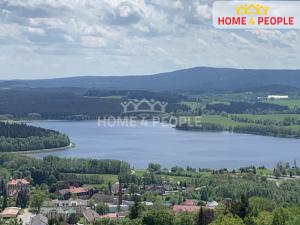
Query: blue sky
(59, 38)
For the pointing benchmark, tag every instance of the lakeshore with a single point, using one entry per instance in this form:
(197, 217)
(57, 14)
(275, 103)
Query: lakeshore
(71, 145)
(163, 144)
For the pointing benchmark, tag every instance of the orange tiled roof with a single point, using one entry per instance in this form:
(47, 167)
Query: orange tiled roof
(11, 211)
(18, 181)
(77, 190)
(188, 203)
(187, 208)
(109, 216)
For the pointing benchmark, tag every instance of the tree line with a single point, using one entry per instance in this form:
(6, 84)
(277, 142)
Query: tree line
(138, 94)
(15, 137)
(286, 121)
(256, 129)
(246, 107)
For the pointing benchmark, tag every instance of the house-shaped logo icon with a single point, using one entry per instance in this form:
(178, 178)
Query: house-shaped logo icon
(144, 105)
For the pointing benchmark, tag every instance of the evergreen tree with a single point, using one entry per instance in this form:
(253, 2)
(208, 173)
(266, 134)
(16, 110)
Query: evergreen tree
(2, 187)
(244, 207)
(201, 217)
(4, 203)
(109, 188)
(180, 199)
(22, 199)
(135, 209)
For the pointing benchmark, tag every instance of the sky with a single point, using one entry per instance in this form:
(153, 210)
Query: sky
(61, 38)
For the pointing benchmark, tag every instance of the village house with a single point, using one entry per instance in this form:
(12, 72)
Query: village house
(114, 208)
(78, 205)
(10, 212)
(109, 216)
(90, 216)
(159, 189)
(117, 215)
(16, 185)
(38, 220)
(212, 205)
(58, 213)
(101, 197)
(79, 192)
(187, 206)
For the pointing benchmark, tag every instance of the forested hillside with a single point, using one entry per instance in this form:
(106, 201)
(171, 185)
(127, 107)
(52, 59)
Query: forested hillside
(16, 137)
(75, 104)
(199, 78)
(55, 104)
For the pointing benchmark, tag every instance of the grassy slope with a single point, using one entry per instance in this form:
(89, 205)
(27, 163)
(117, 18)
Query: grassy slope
(227, 122)
(274, 117)
(192, 105)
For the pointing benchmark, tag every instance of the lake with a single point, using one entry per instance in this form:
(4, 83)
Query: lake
(142, 143)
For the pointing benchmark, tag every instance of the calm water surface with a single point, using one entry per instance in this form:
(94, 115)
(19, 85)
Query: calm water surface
(162, 144)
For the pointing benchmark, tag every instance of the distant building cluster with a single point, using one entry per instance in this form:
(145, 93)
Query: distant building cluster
(82, 202)
(277, 97)
(190, 206)
(80, 192)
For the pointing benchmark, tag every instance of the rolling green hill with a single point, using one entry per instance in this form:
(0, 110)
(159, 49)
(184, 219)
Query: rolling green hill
(197, 79)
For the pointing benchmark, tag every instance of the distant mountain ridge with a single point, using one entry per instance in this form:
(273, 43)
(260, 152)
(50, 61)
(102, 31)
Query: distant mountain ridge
(193, 79)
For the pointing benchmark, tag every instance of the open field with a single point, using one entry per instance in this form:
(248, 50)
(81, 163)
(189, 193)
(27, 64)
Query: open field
(264, 172)
(220, 120)
(192, 105)
(93, 180)
(278, 125)
(273, 117)
(228, 122)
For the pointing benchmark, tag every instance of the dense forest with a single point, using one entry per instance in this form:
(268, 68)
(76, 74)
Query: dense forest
(55, 104)
(54, 168)
(76, 104)
(85, 104)
(15, 137)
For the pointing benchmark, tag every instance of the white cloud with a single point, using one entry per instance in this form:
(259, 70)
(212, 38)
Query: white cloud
(204, 11)
(129, 37)
(93, 42)
(36, 30)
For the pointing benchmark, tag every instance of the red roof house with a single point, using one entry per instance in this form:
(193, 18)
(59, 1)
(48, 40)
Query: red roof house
(10, 212)
(16, 185)
(187, 206)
